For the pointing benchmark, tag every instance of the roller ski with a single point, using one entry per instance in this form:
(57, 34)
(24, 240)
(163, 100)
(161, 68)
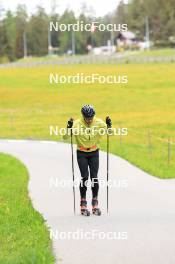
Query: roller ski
(95, 209)
(83, 208)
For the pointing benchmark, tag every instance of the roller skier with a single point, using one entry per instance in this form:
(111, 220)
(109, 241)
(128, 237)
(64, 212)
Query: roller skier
(87, 140)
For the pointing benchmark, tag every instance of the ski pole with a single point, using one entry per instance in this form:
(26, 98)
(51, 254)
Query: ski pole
(73, 169)
(109, 124)
(107, 172)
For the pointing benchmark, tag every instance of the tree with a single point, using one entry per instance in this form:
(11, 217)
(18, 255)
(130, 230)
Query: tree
(21, 24)
(37, 33)
(10, 35)
(65, 38)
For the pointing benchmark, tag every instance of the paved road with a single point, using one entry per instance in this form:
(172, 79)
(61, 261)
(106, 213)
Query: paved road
(140, 228)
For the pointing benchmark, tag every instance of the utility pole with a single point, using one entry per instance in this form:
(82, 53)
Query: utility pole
(73, 42)
(25, 44)
(49, 42)
(147, 38)
(112, 32)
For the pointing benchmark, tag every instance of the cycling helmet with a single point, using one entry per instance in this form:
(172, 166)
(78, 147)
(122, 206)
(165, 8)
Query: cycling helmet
(88, 111)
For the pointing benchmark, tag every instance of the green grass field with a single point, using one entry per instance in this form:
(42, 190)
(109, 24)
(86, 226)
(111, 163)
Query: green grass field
(166, 52)
(29, 105)
(156, 52)
(24, 238)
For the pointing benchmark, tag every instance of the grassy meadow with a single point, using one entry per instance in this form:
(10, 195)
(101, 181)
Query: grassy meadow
(29, 104)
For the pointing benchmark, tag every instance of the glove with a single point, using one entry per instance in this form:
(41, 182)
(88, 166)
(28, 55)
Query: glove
(70, 123)
(108, 122)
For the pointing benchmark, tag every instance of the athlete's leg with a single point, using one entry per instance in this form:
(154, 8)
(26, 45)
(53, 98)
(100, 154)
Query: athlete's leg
(83, 166)
(93, 162)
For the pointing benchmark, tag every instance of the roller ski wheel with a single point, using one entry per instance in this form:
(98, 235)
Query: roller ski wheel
(83, 208)
(85, 212)
(95, 209)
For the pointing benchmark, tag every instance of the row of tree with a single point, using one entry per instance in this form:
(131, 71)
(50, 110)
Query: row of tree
(21, 34)
(160, 15)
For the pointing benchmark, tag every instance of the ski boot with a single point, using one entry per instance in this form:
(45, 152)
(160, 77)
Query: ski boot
(83, 208)
(95, 209)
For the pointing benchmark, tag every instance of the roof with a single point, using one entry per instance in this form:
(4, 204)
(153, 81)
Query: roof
(128, 34)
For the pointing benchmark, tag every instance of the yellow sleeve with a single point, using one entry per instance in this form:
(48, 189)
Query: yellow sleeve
(67, 134)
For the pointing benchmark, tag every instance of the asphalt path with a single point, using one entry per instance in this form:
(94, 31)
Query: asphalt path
(140, 226)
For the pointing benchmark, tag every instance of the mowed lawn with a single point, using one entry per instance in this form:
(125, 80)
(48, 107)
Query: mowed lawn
(24, 237)
(29, 104)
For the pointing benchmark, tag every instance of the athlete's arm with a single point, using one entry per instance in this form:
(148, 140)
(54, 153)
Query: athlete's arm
(68, 129)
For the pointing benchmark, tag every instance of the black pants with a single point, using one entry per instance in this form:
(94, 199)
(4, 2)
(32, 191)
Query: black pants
(88, 161)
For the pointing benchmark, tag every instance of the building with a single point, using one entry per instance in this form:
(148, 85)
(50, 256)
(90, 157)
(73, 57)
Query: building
(126, 40)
